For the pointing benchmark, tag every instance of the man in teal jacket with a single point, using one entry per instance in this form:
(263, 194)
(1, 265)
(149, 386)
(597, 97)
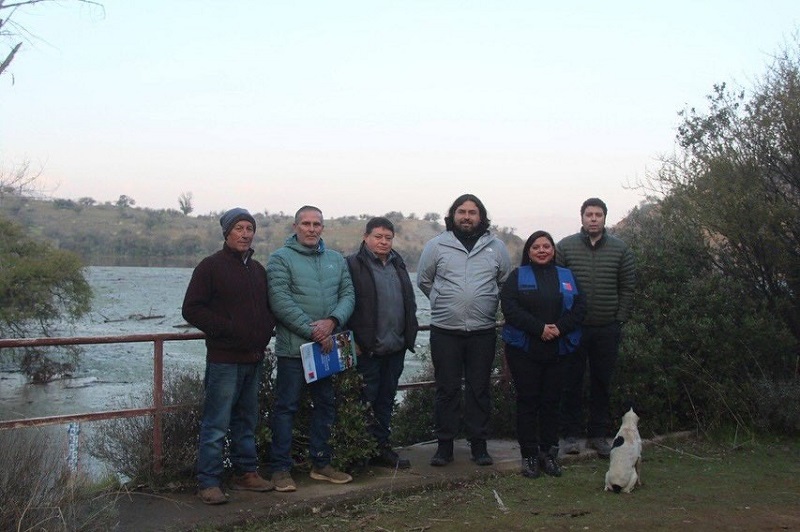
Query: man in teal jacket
(311, 295)
(605, 269)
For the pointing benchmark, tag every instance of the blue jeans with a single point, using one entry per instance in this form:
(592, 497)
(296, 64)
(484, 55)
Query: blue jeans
(289, 387)
(231, 403)
(381, 374)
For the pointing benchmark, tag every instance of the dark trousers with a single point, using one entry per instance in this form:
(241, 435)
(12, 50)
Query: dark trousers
(599, 347)
(381, 374)
(538, 384)
(289, 386)
(469, 357)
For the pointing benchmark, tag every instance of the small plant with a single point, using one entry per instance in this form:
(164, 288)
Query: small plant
(127, 444)
(351, 443)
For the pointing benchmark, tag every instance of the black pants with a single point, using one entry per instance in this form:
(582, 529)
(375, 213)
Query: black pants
(599, 347)
(469, 357)
(538, 384)
(381, 375)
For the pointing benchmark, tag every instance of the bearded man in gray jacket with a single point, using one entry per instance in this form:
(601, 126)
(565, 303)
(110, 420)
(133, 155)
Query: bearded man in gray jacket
(461, 271)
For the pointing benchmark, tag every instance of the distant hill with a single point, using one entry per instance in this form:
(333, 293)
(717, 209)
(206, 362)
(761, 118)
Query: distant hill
(124, 235)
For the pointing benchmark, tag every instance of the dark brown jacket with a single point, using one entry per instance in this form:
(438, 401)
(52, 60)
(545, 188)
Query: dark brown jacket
(227, 300)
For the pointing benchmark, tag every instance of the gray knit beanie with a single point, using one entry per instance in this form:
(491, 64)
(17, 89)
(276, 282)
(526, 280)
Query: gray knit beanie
(229, 219)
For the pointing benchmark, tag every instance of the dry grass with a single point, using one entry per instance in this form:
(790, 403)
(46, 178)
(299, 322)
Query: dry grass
(38, 492)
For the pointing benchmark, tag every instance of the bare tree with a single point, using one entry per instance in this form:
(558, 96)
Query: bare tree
(12, 33)
(19, 181)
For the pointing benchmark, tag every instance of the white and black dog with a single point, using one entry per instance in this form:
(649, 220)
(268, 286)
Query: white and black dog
(624, 470)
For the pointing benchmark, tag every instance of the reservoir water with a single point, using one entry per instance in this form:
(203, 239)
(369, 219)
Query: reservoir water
(130, 300)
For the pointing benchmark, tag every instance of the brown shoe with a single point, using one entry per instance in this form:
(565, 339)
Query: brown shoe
(250, 481)
(283, 481)
(212, 495)
(329, 474)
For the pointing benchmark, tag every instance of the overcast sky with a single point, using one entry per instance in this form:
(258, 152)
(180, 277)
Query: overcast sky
(371, 106)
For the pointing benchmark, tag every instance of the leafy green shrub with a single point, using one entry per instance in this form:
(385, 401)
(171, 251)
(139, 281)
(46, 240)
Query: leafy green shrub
(697, 344)
(778, 406)
(351, 441)
(39, 286)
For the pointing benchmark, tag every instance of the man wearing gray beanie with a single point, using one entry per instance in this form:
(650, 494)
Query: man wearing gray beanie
(227, 300)
(232, 216)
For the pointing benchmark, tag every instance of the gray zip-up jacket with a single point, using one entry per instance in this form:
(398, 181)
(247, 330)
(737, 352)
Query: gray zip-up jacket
(463, 286)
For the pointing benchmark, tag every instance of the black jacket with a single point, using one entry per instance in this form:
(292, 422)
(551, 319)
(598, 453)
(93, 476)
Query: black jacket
(530, 310)
(364, 318)
(227, 300)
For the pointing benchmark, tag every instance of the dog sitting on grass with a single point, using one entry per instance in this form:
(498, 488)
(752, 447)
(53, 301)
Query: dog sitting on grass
(624, 470)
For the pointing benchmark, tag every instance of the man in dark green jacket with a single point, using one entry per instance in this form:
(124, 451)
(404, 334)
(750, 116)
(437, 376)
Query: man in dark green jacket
(605, 270)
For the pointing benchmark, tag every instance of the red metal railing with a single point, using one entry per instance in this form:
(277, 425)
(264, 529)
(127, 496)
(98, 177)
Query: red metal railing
(158, 408)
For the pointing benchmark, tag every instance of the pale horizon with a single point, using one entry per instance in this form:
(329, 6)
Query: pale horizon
(367, 107)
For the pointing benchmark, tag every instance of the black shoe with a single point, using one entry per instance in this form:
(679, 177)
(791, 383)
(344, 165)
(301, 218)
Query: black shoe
(549, 462)
(388, 458)
(444, 453)
(530, 467)
(479, 453)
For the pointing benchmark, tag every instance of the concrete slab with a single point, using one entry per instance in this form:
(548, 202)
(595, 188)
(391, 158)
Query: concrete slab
(139, 511)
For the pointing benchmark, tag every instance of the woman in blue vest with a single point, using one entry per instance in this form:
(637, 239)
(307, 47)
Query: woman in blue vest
(543, 309)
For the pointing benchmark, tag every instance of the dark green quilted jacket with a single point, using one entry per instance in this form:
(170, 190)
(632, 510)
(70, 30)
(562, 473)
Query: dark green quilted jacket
(606, 273)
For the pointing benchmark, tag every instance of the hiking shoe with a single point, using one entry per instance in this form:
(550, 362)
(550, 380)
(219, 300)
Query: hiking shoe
(479, 453)
(549, 462)
(444, 453)
(388, 458)
(250, 481)
(283, 481)
(530, 467)
(328, 473)
(600, 445)
(571, 445)
(212, 495)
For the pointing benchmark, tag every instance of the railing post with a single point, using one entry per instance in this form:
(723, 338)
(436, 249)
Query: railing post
(158, 404)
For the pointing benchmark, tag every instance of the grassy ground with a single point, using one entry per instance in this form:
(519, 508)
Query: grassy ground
(691, 484)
